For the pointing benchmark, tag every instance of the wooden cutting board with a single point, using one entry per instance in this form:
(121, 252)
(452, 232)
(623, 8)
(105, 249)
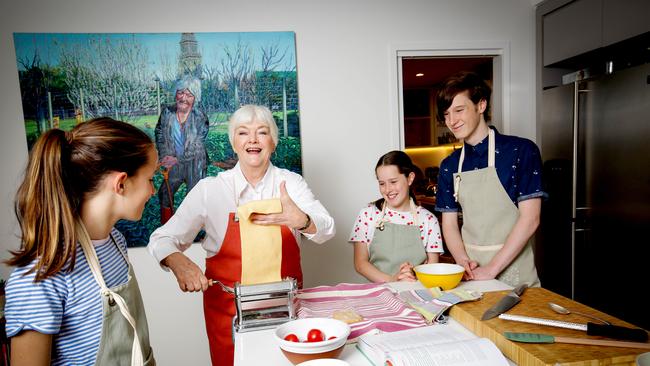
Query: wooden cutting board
(534, 302)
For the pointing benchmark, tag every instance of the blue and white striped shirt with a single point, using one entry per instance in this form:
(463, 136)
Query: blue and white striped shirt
(67, 305)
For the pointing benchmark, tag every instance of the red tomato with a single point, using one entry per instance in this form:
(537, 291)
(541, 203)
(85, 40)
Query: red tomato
(291, 338)
(332, 337)
(315, 335)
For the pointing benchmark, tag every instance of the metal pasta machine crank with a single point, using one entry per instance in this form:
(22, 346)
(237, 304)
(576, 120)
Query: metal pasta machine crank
(264, 305)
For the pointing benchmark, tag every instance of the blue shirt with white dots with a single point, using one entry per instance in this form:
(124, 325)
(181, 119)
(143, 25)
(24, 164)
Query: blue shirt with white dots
(517, 161)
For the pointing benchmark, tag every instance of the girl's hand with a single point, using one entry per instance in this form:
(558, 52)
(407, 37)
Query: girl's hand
(469, 266)
(405, 273)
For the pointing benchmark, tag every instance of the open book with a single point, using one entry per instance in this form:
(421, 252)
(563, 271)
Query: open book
(430, 346)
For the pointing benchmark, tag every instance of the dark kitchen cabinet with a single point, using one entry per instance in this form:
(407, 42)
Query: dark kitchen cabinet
(417, 117)
(573, 28)
(623, 19)
(421, 127)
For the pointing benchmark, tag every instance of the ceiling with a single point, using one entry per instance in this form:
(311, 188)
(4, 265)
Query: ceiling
(437, 69)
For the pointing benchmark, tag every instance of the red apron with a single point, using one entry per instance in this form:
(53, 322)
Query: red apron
(225, 266)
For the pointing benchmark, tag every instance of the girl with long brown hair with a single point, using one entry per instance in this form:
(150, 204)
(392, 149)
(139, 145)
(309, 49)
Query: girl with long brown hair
(73, 298)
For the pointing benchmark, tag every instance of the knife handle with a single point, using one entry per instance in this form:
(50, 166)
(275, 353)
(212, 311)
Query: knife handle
(617, 332)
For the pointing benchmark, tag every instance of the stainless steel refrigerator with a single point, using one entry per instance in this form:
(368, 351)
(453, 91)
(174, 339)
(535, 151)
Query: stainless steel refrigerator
(593, 242)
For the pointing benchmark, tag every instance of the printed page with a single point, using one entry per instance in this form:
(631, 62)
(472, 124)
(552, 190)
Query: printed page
(377, 347)
(417, 337)
(473, 352)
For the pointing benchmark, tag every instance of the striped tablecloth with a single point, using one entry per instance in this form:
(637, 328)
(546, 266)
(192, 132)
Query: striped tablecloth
(380, 308)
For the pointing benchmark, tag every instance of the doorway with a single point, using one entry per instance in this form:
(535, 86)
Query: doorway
(422, 78)
(449, 56)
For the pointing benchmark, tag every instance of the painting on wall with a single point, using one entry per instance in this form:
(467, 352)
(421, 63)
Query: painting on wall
(144, 79)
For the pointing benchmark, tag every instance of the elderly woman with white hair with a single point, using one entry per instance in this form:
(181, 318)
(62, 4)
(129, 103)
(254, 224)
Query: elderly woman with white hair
(181, 132)
(253, 214)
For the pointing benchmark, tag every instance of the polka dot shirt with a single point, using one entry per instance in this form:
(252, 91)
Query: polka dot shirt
(364, 226)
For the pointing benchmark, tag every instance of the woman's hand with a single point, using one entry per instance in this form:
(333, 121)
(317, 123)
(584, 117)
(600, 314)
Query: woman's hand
(405, 273)
(291, 215)
(189, 276)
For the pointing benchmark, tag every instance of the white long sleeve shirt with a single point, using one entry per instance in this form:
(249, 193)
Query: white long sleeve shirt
(208, 205)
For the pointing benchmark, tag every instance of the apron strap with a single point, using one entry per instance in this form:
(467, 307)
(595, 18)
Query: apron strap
(491, 148)
(95, 269)
(380, 223)
(491, 160)
(412, 207)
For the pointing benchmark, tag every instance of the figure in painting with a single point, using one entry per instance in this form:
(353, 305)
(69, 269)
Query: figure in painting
(181, 133)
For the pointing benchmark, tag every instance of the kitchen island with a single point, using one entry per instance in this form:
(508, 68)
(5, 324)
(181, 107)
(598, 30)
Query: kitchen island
(259, 347)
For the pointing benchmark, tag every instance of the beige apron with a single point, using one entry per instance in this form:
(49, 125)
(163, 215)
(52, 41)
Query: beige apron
(394, 244)
(125, 334)
(488, 217)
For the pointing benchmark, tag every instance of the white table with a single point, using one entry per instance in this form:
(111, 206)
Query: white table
(259, 347)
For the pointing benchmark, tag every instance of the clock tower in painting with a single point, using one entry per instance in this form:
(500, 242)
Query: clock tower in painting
(189, 61)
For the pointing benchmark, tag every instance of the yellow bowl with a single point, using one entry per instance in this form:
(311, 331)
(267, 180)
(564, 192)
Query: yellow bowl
(444, 275)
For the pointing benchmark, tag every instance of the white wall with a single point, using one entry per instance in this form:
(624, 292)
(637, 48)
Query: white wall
(346, 109)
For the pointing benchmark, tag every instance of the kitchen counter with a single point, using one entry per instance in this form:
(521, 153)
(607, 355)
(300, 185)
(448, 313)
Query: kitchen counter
(259, 347)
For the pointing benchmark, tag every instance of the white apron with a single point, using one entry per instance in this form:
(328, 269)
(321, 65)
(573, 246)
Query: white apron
(125, 334)
(488, 218)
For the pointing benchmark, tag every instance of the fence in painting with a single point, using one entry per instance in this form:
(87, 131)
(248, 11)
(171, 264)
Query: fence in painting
(141, 104)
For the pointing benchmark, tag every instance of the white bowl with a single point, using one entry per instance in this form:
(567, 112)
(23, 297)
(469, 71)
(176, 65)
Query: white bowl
(303, 351)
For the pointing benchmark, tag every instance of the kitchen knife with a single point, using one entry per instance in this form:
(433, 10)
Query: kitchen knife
(506, 302)
(611, 331)
(545, 338)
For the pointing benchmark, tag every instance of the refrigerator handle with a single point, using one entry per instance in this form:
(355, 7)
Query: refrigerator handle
(582, 219)
(574, 184)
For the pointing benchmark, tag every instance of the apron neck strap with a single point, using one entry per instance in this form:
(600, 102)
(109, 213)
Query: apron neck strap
(491, 151)
(383, 219)
(491, 148)
(95, 268)
(491, 160)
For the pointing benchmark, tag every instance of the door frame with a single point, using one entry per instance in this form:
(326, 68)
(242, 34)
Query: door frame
(501, 78)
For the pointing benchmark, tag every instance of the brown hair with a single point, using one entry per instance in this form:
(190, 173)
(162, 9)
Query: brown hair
(462, 82)
(404, 166)
(64, 169)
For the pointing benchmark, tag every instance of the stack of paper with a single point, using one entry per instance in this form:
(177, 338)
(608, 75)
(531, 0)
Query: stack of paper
(429, 346)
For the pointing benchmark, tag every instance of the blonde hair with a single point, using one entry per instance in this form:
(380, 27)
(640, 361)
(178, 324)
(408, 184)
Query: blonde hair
(65, 168)
(246, 114)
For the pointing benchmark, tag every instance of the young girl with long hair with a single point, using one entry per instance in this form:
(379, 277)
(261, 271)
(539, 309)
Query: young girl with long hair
(73, 298)
(393, 234)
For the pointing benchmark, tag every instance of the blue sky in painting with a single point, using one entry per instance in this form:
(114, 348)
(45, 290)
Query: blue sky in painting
(158, 45)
